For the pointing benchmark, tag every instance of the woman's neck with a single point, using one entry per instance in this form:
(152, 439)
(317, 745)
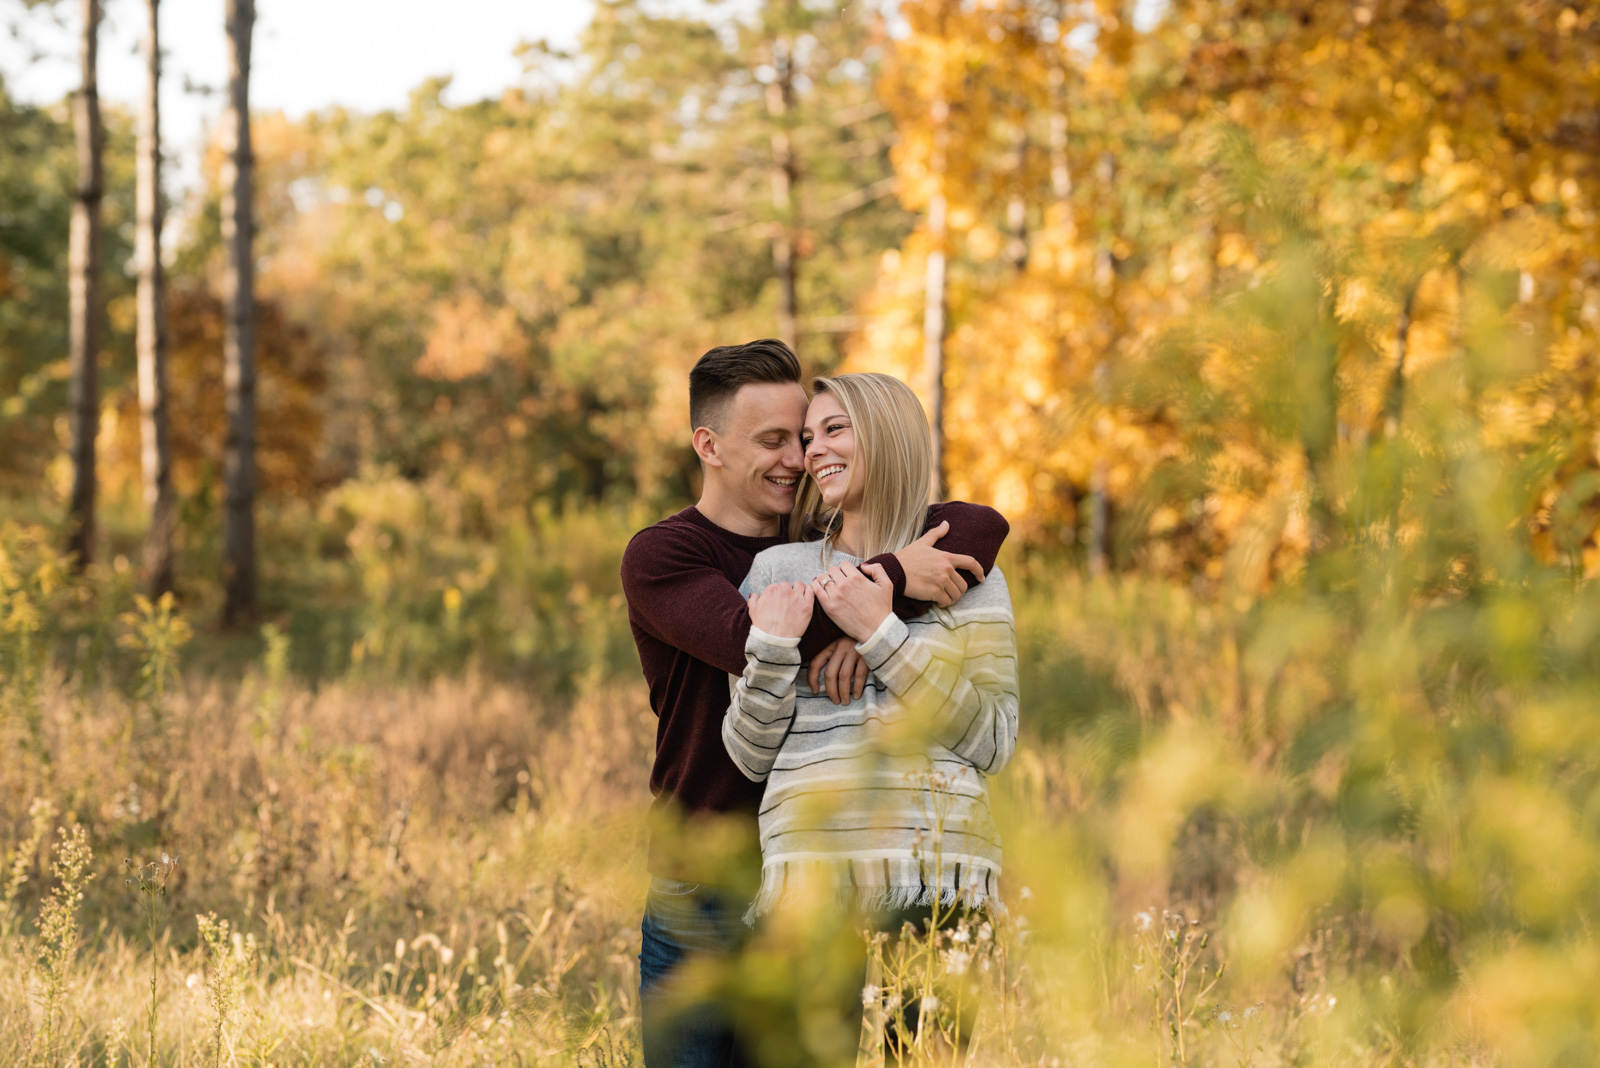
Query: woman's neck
(848, 538)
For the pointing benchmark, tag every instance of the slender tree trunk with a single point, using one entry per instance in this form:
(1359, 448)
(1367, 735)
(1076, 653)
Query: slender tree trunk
(933, 314)
(1060, 168)
(155, 451)
(239, 374)
(785, 194)
(1395, 398)
(1105, 282)
(84, 285)
(1017, 203)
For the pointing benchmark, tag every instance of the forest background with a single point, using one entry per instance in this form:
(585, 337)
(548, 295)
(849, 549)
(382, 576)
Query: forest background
(1269, 324)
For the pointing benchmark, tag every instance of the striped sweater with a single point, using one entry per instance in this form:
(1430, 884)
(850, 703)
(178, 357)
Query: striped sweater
(884, 801)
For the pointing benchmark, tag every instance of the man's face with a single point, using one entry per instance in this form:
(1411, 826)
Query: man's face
(760, 448)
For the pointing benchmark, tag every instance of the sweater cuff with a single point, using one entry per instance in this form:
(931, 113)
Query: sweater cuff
(891, 567)
(759, 635)
(885, 641)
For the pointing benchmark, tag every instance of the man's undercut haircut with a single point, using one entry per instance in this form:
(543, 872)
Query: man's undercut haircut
(720, 373)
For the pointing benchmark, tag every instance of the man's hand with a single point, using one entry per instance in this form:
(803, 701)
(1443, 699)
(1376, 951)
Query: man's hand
(858, 599)
(782, 609)
(842, 669)
(931, 573)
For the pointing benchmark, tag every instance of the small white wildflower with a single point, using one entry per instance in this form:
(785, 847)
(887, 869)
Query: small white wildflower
(960, 936)
(956, 961)
(1224, 1016)
(986, 932)
(191, 980)
(399, 948)
(1251, 1011)
(929, 1003)
(1025, 894)
(1332, 1001)
(1142, 921)
(869, 996)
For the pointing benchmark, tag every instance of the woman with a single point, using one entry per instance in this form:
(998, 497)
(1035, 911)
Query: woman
(881, 803)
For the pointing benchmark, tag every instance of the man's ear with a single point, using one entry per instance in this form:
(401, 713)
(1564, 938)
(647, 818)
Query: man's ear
(705, 446)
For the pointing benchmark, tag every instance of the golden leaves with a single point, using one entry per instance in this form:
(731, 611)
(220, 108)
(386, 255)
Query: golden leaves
(468, 338)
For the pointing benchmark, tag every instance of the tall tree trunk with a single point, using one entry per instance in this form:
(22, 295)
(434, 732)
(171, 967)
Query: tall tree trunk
(239, 374)
(155, 451)
(1105, 282)
(84, 284)
(933, 314)
(1060, 168)
(1017, 203)
(1395, 398)
(785, 195)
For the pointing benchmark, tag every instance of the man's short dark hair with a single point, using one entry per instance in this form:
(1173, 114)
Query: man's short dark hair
(719, 374)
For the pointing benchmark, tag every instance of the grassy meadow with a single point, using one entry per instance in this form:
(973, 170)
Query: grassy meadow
(1340, 823)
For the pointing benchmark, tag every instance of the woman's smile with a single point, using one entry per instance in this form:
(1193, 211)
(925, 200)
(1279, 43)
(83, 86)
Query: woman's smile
(824, 473)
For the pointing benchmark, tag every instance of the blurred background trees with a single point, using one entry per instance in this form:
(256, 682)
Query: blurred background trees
(1167, 274)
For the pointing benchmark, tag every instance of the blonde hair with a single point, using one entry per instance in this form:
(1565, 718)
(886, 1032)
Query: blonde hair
(893, 461)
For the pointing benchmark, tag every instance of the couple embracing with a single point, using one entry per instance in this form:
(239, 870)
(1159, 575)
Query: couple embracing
(832, 661)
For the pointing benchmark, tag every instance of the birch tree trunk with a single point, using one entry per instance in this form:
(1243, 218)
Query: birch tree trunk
(785, 198)
(155, 447)
(83, 266)
(238, 346)
(933, 314)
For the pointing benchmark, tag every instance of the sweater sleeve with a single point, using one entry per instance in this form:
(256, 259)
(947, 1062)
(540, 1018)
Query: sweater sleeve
(679, 595)
(975, 530)
(761, 710)
(960, 672)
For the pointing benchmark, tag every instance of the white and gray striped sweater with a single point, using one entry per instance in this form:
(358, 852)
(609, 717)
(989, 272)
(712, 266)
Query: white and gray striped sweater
(883, 800)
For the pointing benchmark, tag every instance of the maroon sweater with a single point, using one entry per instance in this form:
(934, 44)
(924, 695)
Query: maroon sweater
(682, 577)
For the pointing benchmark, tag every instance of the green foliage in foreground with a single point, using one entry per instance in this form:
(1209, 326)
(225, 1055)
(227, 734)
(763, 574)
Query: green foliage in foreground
(1366, 798)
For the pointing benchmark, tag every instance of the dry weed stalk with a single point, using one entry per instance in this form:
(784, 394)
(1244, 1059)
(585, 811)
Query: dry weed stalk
(58, 935)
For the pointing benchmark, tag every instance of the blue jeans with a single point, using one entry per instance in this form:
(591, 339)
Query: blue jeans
(686, 1025)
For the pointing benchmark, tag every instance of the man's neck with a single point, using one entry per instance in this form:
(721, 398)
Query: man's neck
(727, 514)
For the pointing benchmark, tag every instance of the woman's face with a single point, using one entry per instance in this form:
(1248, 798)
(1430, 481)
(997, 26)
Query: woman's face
(830, 445)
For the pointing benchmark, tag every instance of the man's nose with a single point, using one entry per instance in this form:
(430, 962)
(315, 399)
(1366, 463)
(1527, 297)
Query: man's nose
(794, 456)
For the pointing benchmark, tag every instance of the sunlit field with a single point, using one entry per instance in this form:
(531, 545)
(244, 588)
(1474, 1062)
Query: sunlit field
(1314, 829)
(1271, 326)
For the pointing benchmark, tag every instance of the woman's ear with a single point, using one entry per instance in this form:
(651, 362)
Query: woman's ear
(705, 446)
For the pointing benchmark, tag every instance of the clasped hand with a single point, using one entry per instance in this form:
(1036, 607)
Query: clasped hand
(783, 609)
(856, 598)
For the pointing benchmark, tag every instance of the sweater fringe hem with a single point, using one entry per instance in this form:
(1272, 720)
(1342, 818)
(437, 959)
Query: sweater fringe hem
(868, 901)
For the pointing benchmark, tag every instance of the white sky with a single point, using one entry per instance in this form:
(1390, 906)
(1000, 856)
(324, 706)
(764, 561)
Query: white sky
(308, 54)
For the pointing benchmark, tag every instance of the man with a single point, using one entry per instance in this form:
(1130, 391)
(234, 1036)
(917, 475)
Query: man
(681, 577)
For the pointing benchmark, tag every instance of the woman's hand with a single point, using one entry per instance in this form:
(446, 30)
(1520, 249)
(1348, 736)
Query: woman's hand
(858, 599)
(783, 609)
